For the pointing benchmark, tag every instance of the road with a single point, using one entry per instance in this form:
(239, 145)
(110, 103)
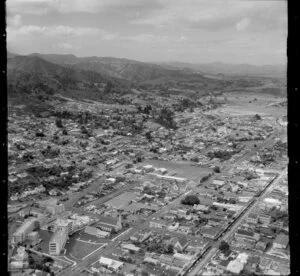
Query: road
(113, 245)
(236, 224)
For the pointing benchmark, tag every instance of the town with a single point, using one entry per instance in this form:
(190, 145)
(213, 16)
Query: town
(148, 138)
(207, 197)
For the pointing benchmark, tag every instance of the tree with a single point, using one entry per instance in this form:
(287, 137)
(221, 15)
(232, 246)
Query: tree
(64, 132)
(217, 169)
(190, 200)
(224, 246)
(148, 135)
(108, 87)
(58, 123)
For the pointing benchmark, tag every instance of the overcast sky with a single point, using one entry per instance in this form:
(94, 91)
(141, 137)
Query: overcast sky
(196, 31)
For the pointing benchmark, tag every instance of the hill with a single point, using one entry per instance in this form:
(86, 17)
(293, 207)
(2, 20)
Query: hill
(217, 68)
(131, 70)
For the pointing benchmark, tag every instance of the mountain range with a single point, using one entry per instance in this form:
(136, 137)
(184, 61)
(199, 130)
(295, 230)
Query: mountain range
(62, 72)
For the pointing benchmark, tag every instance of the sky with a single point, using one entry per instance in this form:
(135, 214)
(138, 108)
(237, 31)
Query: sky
(194, 31)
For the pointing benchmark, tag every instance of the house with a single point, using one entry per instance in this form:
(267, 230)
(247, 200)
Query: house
(265, 263)
(109, 224)
(157, 224)
(186, 229)
(131, 248)
(219, 182)
(252, 218)
(211, 232)
(184, 257)
(166, 259)
(281, 241)
(180, 243)
(200, 207)
(265, 219)
(261, 246)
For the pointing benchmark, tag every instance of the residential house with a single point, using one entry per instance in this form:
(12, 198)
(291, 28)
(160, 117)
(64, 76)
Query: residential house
(252, 218)
(179, 243)
(281, 241)
(157, 224)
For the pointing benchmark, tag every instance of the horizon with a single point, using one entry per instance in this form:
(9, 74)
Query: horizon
(151, 62)
(230, 32)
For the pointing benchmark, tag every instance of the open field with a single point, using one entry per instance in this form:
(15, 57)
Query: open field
(251, 104)
(180, 169)
(78, 249)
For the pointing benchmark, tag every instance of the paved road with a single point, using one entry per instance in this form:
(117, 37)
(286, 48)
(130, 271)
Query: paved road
(208, 257)
(114, 244)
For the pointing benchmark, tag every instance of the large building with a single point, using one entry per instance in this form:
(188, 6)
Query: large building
(96, 232)
(52, 206)
(109, 224)
(64, 224)
(27, 227)
(58, 241)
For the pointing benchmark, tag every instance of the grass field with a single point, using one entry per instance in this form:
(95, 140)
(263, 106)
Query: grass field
(180, 169)
(78, 250)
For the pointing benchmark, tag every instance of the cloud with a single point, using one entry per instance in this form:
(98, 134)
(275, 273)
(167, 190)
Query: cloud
(67, 46)
(146, 38)
(14, 20)
(66, 6)
(61, 30)
(214, 15)
(243, 24)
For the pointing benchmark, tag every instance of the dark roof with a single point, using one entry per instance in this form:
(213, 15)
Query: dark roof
(109, 221)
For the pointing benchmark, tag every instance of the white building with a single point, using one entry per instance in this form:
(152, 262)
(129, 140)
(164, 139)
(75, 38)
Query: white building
(58, 241)
(27, 227)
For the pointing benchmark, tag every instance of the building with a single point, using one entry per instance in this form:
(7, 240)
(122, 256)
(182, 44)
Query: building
(157, 224)
(218, 182)
(33, 237)
(131, 248)
(235, 267)
(244, 234)
(265, 219)
(200, 207)
(166, 259)
(252, 218)
(180, 243)
(96, 232)
(22, 232)
(58, 241)
(110, 264)
(211, 232)
(64, 224)
(109, 224)
(281, 241)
